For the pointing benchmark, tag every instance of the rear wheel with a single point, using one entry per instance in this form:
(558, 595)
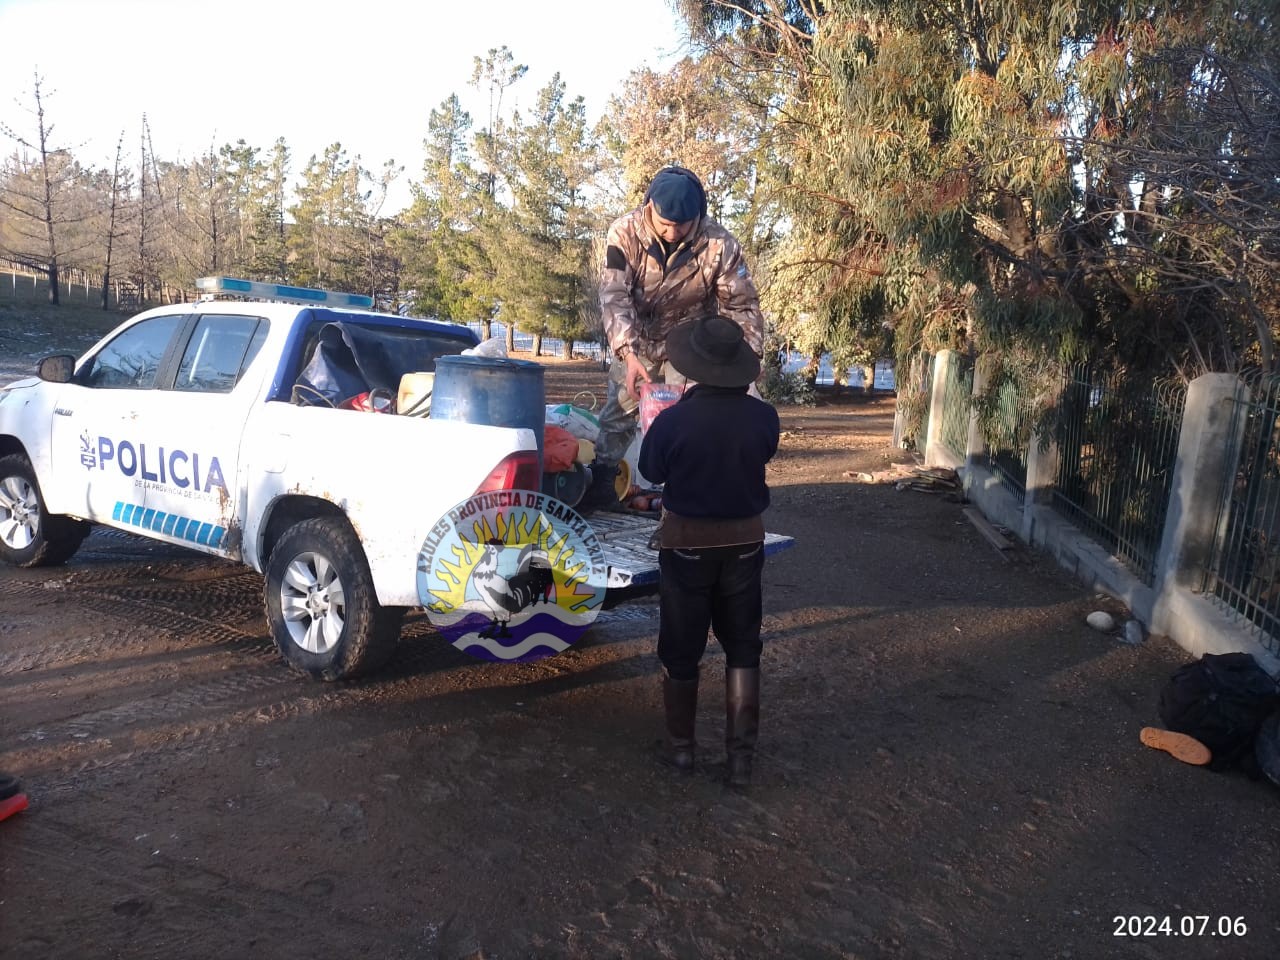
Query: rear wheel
(29, 535)
(321, 605)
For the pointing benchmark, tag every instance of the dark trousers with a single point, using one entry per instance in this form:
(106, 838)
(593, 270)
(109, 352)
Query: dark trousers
(710, 587)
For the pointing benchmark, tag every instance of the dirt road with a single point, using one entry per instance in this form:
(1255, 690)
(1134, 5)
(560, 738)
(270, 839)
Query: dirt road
(949, 767)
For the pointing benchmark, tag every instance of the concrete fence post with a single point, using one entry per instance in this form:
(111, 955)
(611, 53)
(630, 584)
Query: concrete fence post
(943, 362)
(1208, 446)
(1042, 479)
(1042, 469)
(1205, 444)
(976, 443)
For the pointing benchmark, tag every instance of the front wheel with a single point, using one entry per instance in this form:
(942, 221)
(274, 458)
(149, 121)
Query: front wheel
(321, 605)
(29, 535)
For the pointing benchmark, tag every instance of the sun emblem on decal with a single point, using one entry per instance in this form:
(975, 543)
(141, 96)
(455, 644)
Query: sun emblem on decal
(513, 583)
(531, 532)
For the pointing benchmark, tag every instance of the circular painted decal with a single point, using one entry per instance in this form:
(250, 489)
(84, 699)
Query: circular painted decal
(511, 576)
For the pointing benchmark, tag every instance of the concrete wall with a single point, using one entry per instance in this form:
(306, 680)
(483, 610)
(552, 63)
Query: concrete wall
(1173, 605)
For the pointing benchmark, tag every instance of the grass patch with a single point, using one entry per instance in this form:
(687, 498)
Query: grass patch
(31, 327)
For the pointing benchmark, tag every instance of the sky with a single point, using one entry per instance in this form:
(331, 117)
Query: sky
(366, 76)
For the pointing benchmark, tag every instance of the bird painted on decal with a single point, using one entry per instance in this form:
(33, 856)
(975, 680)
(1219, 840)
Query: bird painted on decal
(509, 578)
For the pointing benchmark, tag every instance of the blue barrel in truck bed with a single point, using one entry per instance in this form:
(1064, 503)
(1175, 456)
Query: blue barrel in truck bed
(494, 391)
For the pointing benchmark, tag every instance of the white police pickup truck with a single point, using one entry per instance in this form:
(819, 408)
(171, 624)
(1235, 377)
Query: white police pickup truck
(184, 425)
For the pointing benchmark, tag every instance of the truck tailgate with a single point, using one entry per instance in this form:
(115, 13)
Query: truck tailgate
(624, 538)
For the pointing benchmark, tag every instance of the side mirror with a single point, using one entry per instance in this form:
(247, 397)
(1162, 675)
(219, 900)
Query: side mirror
(57, 369)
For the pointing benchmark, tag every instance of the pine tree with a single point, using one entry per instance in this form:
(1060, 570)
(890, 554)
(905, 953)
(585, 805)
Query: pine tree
(268, 250)
(325, 248)
(554, 162)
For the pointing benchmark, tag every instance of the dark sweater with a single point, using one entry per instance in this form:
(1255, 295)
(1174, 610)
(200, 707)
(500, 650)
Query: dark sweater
(710, 449)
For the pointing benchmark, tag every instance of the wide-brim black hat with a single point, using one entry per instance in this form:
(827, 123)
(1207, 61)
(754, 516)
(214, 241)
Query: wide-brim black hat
(713, 350)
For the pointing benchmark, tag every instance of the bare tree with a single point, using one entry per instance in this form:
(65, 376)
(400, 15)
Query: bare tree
(150, 200)
(34, 186)
(112, 220)
(496, 72)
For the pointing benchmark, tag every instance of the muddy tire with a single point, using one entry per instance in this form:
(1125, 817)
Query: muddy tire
(29, 535)
(321, 605)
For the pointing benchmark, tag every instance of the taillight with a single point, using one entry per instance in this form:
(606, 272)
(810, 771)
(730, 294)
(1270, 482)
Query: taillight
(516, 471)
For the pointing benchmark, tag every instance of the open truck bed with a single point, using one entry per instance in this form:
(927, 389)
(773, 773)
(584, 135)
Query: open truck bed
(633, 565)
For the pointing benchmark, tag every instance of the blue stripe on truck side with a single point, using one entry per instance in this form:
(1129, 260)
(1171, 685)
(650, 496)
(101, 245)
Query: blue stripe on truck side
(169, 524)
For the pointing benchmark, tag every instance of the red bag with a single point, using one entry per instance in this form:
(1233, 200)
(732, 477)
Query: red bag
(559, 449)
(654, 398)
(372, 401)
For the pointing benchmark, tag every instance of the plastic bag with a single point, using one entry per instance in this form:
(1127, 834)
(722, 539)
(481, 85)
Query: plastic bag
(582, 423)
(1267, 748)
(493, 347)
(1221, 700)
(559, 449)
(654, 398)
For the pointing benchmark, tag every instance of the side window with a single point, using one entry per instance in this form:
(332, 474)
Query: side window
(132, 360)
(219, 352)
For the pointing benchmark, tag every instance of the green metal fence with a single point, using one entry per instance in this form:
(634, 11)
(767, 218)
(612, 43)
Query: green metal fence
(1243, 575)
(1009, 438)
(1117, 443)
(956, 401)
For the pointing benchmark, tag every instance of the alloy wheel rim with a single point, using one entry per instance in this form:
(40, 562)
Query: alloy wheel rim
(313, 603)
(19, 513)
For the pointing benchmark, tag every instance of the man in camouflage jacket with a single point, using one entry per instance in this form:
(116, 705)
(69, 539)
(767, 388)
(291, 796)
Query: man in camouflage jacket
(666, 262)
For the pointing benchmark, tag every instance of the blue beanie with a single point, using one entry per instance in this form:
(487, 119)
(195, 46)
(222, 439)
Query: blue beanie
(676, 195)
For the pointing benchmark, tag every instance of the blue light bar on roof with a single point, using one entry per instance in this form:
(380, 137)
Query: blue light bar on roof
(257, 289)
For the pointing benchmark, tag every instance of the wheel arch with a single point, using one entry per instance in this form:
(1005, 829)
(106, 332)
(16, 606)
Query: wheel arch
(287, 511)
(367, 632)
(11, 444)
(50, 539)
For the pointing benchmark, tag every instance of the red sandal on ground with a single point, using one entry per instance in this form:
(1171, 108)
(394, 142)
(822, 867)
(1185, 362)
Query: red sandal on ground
(1180, 745)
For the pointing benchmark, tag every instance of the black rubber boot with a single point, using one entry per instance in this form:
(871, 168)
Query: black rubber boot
(601, 494)
(680, 701)
(741, 722)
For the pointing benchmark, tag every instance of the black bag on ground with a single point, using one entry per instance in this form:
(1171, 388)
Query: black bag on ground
(1221, 700)
(1266, 749)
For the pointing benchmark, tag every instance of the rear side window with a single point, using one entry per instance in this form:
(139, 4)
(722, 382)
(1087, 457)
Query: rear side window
(132, 360)
(218, 353)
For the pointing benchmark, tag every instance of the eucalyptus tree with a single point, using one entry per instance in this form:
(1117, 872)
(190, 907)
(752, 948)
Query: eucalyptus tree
(713, 117)
(1046, 181)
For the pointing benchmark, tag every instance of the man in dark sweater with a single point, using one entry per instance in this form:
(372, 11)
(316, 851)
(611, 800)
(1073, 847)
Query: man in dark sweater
(710, 450)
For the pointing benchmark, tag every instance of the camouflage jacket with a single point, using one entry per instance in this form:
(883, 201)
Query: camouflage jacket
(641, 299)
